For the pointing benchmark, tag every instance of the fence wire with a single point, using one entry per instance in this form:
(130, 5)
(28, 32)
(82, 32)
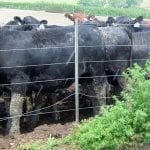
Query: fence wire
(31, 113)
(64, 47)
(145, 23)
(62, 79)
(36, 112)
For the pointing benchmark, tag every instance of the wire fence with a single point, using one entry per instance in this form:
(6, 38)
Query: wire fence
(32, 113)
(66, 63)
(38, 111)
(145, 23)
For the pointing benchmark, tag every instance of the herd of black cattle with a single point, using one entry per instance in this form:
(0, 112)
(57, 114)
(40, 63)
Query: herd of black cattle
(37, 64)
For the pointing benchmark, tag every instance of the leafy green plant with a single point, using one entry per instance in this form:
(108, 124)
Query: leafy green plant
(36, 145)
(126, 123)
(30, 146)
(49, 145)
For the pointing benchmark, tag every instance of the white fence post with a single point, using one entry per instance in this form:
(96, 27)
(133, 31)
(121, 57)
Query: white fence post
(76, 72)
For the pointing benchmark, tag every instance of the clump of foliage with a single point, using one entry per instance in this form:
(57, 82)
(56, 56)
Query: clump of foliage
(36, 145)
(110, 3)
(125, 124)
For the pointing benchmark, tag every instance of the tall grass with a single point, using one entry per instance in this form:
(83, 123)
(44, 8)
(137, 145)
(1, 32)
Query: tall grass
(41, 1)
(63, 7)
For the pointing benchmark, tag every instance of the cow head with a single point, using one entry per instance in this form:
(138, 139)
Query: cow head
(110, 21)
(137, 23)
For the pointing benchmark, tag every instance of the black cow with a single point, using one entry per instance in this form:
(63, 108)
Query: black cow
(27, 24)
(141, 47)
(33, 48)
(122, 50)
(117, 43)
(30, 23)
(136, 25)
(15, 24)
(123, 20)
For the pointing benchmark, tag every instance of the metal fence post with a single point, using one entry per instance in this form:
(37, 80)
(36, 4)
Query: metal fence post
(76, 72)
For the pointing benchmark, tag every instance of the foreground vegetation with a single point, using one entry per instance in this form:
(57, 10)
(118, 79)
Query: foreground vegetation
(127, 124)
(36, 145)
(72, 7)
(123, 125)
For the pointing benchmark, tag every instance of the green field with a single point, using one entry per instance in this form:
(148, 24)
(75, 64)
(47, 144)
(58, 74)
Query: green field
(66, 7)
(72, 6)
(45, 1)
(146, 3)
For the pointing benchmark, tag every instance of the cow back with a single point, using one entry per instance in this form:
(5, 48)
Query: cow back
(50, 46)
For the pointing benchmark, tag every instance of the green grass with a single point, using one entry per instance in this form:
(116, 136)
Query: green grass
(46, 1)
(63, 7)
(36, 145)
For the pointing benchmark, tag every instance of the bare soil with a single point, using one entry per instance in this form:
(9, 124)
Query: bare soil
(53, 18)
(40, 134)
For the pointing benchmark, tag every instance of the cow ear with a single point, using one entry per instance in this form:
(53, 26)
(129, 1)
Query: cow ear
(17, 18)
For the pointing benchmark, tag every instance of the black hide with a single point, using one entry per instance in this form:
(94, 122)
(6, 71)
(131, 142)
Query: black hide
(39, 47)
(141, 47)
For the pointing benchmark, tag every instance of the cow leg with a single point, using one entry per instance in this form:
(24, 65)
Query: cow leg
(16, 106)
(7, 108)
(33, 118)
(7, 100)
(18, 92)
(109, 94)
(100, 88)
(96, 93)
(55, 107)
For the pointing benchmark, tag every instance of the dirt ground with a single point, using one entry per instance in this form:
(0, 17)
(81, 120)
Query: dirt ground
(53, 18)
(40, 134)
